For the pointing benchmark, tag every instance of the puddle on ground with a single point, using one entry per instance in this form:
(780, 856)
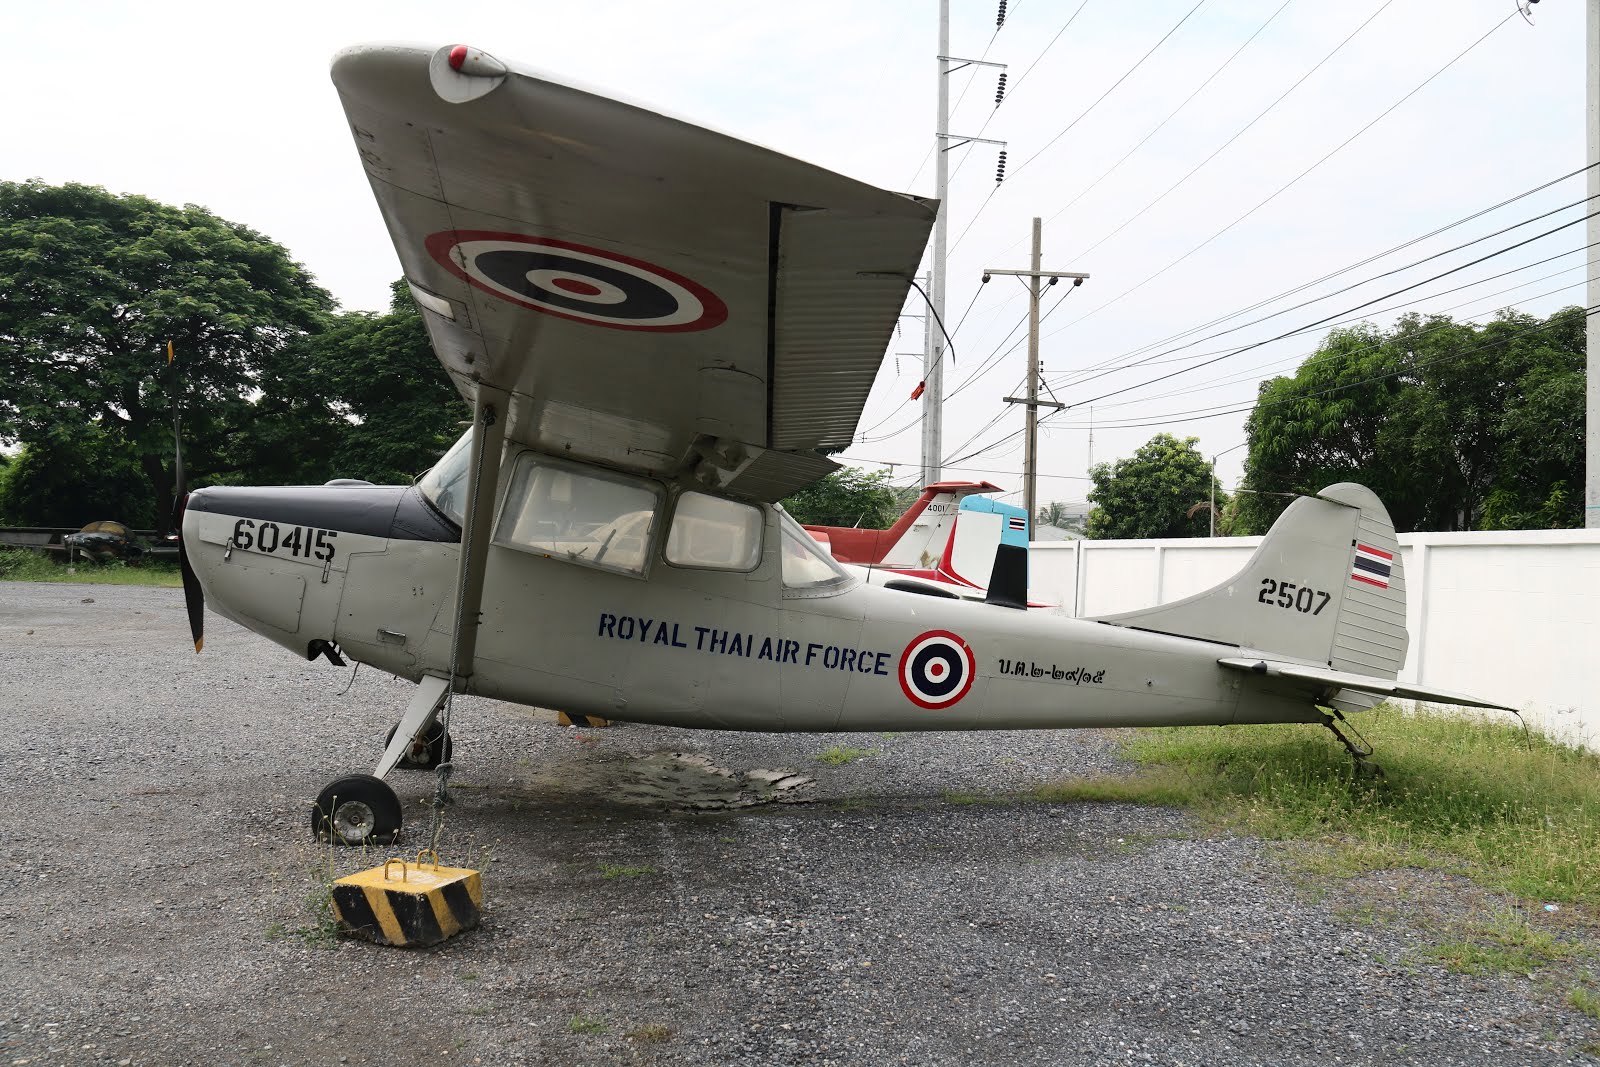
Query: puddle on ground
(684, 781)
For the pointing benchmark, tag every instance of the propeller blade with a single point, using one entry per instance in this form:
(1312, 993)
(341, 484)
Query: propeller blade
(194, 598)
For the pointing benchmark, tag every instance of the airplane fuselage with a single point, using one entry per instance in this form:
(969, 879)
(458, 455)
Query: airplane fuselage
(374, 570)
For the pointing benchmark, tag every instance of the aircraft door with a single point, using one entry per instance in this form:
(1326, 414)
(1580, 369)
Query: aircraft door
(390, 601)
(714, 587)
(822, 654)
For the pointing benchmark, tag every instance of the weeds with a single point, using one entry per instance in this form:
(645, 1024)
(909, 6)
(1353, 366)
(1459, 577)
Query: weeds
(586, 1024)
(1507, 944)
(650, 1033)
(839, 755)
(1584, 999)
(967, 799)
(609, 871)
(23, 565)
(1461, 794)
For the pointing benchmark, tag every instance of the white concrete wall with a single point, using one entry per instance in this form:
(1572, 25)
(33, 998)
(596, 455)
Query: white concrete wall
(1511, 617)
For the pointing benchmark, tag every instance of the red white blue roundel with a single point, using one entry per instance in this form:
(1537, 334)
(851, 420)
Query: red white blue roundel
(936, 670)
(577, 282)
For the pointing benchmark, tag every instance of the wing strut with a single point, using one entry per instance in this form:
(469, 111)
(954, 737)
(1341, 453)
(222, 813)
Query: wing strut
(488, 442)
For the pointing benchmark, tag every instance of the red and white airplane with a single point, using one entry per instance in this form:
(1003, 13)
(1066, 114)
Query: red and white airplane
(945, 542)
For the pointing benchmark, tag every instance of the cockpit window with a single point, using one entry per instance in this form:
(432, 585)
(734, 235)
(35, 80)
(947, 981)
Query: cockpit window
(445, 485)
(714, 533)
(808, 570)
(595, 517)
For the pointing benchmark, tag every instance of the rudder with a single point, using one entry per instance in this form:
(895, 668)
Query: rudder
(1325, 586)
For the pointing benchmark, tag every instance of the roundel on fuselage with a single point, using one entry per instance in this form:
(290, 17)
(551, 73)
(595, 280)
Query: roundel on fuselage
(936, 669)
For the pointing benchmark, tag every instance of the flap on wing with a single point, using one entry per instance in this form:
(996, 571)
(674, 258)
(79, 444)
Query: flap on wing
(1328, 678)
(647, 290)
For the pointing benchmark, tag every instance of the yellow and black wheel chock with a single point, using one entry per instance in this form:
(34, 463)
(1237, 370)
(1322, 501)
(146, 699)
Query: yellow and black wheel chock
(409, 905)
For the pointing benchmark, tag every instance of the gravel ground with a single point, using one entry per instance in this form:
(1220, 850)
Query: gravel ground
(157, 876)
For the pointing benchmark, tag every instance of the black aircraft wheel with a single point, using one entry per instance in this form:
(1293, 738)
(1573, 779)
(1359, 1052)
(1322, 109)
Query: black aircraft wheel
(357, 809)
(426, 751)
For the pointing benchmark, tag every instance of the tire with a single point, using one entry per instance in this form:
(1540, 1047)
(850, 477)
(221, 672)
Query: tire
(357, 809)
(426, 752)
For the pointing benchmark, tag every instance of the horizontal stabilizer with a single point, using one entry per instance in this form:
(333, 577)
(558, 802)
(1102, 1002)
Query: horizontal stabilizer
(1335, 680)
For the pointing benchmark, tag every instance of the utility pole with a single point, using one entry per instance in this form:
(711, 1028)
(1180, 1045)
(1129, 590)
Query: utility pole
(1030, 468)
(1591, 475)
(933, 358)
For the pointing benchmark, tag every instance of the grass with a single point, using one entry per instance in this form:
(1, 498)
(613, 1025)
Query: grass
(613, 870)
(586, 1024)
(1584, 999)
(839, 755)
(1506, 944)
(650, 1033)
(967, 799)
(1464, 795)
(21, 565)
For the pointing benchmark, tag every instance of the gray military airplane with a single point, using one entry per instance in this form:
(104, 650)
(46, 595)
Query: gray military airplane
(658, 327)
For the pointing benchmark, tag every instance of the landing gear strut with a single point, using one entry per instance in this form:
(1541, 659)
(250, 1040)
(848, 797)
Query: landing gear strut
(361, 809)
(1364, 767)
(427, 750)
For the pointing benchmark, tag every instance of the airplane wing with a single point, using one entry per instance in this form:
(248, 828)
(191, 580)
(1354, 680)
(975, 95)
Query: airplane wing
(1329, 679)
(652, 295)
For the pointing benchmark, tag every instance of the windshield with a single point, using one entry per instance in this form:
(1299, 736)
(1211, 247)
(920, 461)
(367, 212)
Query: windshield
(445, 485)
(808, 570)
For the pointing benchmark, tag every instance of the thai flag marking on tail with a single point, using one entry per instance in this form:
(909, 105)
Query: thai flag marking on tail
(1016, 522)
(1372, 565)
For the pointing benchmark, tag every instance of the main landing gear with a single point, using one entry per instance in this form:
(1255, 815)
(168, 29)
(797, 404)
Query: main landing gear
(362, 809)
(357, 809)
(1364, 767)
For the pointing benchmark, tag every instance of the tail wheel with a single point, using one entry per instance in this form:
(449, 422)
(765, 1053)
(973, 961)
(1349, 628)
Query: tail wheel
(357, 809)
(426, 751)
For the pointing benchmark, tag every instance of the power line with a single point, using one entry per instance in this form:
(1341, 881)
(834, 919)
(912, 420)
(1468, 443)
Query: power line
(973, 470)
(1202, 413)
(1170, 116)
(1303, 286)
(1297, 178)
(1010, 92)
(1067, 380)
(1082, 115)
(994, 359)
(1193, 416)
(1238, 134)
(1325, 319)
(1126, 75)
(1307, 359)
(985, 427)
(1124, 364)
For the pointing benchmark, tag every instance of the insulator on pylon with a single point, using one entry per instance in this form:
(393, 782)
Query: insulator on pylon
(1000, 168)
(1000, 19)
(1000, 90)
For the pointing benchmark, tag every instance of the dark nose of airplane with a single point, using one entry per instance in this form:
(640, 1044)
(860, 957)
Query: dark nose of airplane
(275, 559)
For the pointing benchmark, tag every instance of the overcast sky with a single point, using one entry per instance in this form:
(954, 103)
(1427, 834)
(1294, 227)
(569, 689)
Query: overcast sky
(230, 106)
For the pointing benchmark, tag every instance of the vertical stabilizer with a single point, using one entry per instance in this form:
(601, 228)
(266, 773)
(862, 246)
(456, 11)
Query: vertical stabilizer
(1325, 586)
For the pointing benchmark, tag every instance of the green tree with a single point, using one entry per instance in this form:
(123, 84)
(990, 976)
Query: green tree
(399, 410)
(1151, 493)
(94, 285)
(74, 477)
(1454, 426)
(847, 497)
(1052, 514)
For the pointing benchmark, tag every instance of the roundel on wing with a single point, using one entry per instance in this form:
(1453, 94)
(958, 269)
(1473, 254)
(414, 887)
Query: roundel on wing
(577, 282)
(936, 669)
